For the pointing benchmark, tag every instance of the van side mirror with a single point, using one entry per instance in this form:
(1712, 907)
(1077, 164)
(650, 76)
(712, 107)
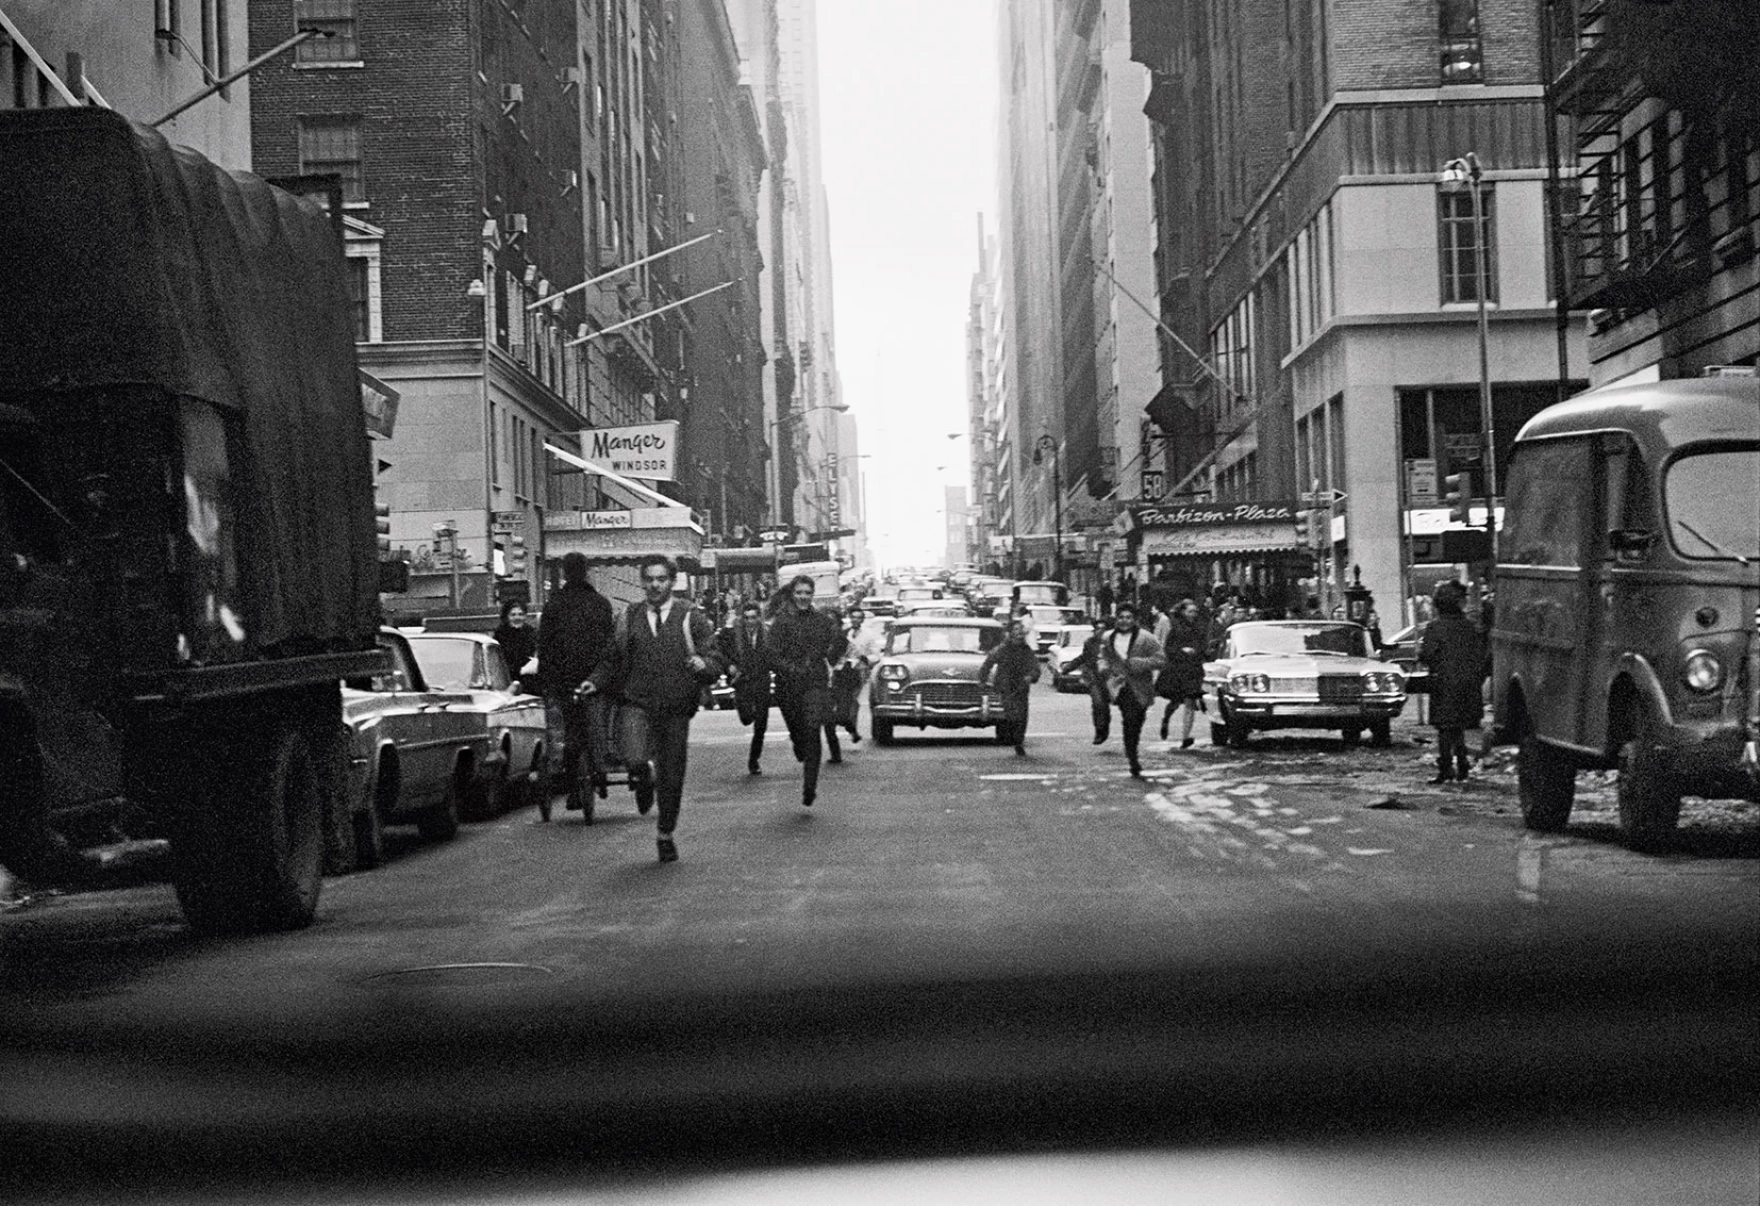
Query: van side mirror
(1632, 542)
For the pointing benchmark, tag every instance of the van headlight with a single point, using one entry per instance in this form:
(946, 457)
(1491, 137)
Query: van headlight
(1702, 672)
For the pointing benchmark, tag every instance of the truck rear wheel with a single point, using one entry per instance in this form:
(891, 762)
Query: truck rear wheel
(248, 856)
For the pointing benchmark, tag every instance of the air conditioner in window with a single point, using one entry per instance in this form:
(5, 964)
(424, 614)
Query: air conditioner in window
(571, 78)
(516, 224)
(512, 96)
(571, 182)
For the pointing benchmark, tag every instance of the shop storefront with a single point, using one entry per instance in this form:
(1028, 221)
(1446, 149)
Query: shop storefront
(1257, 549)
(616, 542)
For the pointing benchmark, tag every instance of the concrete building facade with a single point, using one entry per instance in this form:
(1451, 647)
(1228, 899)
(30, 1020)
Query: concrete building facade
(1312, 256)
(61, 52)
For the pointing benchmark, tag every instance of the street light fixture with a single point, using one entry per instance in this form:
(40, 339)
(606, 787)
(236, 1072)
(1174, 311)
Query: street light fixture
(1047, 444)
(1466, 173)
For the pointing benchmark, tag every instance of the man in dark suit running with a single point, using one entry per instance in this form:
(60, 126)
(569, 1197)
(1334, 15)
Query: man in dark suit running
(746, 647)
(667, 651)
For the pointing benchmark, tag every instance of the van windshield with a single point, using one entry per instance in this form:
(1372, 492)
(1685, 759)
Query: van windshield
(1698, 492)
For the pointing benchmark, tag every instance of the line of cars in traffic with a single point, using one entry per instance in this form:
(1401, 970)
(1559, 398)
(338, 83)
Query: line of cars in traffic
(446, 734)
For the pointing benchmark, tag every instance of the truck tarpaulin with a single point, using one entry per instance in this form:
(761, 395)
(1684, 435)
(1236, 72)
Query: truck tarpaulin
(132, 262)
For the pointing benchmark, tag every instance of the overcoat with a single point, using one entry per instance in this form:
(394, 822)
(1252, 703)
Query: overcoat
(1454, 651)
(1184, 676)
(1136, 672)
(1016, 669)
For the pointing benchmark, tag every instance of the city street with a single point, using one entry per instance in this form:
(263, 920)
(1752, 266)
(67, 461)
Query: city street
(943, 855)
(957, 950)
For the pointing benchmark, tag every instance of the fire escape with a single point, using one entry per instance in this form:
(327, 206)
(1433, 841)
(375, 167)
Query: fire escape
(1665, 197)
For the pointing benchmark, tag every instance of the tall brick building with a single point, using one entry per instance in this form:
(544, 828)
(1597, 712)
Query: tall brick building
(722, 157)
(495, 156)
(1310, 252)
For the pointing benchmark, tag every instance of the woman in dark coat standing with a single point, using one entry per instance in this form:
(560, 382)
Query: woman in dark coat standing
(1454, 652)
(1183, 680)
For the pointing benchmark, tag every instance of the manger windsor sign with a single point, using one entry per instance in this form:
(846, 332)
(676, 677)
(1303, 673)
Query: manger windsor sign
(648, 451)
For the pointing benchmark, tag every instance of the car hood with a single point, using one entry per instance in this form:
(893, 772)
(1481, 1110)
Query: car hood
(938, 665)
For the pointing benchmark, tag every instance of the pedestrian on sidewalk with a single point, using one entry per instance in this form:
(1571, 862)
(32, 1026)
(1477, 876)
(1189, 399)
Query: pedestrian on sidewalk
(666, 652)
(1014, 667)
(851, 673)
(746, 648)
(1099, 697)
(1453, 650)
(1129, 660)
(804, 644)
(1182, 682)
(576, 643)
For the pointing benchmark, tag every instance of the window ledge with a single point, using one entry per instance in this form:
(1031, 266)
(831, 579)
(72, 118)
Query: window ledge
(357, 205)
(1465, 307)
(325, 66)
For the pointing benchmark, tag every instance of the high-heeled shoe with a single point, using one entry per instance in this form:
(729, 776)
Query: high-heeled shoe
(1186, 744)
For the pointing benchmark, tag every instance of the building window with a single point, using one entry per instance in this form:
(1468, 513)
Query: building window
(333, 144)
(1461, 60)
(358, 298)
(1459, 242)
(335, 16)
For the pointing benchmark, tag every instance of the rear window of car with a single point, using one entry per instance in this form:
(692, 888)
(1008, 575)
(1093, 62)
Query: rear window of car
(926, 639)
(447, 665)
(1705, 522)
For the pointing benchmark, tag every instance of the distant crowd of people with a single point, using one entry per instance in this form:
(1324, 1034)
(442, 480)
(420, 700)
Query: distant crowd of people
(637, 677)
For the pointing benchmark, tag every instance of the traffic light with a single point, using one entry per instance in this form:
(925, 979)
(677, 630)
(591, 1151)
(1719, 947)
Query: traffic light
(516, 556)
(1458, 490)
(382, 524)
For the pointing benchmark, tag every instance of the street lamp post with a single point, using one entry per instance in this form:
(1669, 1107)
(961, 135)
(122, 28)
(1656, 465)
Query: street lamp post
(1458, 173)
(1047, 444)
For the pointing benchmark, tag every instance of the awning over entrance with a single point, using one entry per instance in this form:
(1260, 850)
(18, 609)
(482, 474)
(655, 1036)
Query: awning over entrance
(741, 561)
(625, 537)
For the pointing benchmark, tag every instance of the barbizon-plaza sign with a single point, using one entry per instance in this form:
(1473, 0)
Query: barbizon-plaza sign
(1216, 528)
(648, 451)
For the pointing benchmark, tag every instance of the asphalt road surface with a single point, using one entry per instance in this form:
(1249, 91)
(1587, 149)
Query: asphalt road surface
(944, 860)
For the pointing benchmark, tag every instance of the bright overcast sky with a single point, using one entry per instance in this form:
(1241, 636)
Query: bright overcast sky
(907, 92)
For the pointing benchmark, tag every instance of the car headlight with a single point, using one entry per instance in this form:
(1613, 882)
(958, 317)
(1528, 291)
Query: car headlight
(1702, 672)
(1382, 683)
(893, 670)
(1249, 684)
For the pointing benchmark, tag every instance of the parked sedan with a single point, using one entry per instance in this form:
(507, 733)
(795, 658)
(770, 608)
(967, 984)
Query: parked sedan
(1402, 651)
(1067, 649)
(513, 772)
(413, 752)
(927, 676)
(1302, 674)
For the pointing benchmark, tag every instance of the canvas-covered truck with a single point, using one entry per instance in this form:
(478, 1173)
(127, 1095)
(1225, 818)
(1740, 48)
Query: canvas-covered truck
(188, 563)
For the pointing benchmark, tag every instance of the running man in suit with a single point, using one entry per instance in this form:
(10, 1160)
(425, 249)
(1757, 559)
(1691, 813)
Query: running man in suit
(666, 652)
(1129, 661)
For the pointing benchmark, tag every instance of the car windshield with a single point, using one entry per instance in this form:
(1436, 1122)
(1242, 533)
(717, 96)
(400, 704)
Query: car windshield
(1341, 640)
(1705, 522)
(1075, 634)
(927, 639)
(448, 665)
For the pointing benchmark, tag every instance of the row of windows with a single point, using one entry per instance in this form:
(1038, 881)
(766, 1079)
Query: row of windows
(1309, 272)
